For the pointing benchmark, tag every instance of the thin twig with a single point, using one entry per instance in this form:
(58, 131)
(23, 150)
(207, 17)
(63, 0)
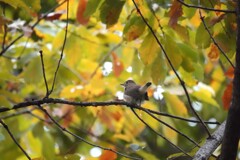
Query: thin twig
(44, 73)
(82, 139)
(13, 138)
(61, 56)
(214, 41)
(175, 146)
(174, 70)
(32, 27)
(205, 8)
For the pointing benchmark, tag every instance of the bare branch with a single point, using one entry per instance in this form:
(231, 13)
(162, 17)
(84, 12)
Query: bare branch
(211, 144)
(61, 56)
(174, 70)
(44, 73)
(13, 138)
(82, 139)
(95, 104)
(214, 41)
(205, 8)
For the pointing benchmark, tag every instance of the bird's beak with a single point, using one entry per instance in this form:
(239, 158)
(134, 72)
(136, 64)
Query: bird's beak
(122, 84)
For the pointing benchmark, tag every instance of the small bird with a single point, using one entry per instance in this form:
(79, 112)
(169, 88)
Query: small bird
(134, 93)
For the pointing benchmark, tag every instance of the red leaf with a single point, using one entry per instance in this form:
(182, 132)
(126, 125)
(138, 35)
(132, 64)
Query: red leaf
(227, 96)
(117, 65)
(174, 13)
(108, 155)
(82, 4)
(230, 73)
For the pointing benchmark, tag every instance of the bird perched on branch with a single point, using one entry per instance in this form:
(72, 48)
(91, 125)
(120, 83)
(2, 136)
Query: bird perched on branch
(134, 93)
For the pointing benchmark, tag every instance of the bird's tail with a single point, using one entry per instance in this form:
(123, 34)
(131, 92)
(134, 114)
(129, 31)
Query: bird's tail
(144, 88)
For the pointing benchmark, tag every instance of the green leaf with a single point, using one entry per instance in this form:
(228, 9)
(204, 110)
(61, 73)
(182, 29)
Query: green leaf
(110, 11)
(172, 51)
(188, 51)
(134, 28)
(149, 49)
(92, 6)
(202, 38)
(159, 69)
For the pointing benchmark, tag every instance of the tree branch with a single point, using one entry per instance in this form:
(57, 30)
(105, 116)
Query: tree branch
(232, 130)
(61, 55)
(211, 144)
(13, 138)
(205, 8)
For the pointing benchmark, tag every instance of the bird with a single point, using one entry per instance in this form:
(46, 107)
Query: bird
(134, 93)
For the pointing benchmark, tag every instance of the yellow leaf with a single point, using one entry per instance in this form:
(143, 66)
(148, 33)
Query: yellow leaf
(168, 132)
(175, 105)
(149, 49)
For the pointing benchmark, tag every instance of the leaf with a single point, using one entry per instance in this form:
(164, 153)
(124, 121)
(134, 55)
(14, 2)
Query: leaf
(202, 38)
(174, 13)
(117, 65)
(110, 11)
(230, 73)
(188, 51)
(227, 96)
(173, 52)
(158, 69)
(149, 49)
(92, 6)
(204, 95)
(108, 155)
(213, 54)
(81, 18)
(168, 132)
(175, 105)
(134, 28)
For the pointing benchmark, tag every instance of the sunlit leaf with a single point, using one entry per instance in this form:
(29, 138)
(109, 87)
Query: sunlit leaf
(149, 49)
(175, 105)
(204, 95)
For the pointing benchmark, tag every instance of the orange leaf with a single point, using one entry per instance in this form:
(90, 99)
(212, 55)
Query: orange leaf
(82, 4)
(117, 65)
(230, 73)
(174, 13)
(227, 96)
(108, 155)
(213, 54)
